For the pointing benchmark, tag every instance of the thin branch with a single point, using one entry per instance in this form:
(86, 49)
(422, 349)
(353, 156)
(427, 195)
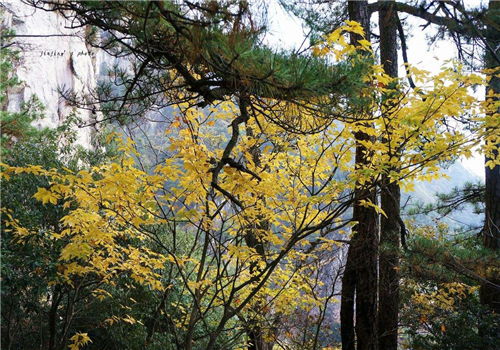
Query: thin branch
(404, 50)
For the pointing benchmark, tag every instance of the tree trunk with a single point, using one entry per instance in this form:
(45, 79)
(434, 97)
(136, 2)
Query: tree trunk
(347, 301)
(366, 275)
(362, 255)
(390, 203)
(490, 294)
(388, 310)
(52, 316)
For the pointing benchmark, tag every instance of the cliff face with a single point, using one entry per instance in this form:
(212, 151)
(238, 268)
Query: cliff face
(53, 57)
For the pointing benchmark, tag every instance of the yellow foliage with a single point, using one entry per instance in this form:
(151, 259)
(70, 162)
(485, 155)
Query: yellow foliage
(45, 196)
(443, 298)
(79, 340)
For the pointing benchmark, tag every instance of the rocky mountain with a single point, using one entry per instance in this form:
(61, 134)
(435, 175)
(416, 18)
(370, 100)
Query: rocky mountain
(425, 192)
(53, 57)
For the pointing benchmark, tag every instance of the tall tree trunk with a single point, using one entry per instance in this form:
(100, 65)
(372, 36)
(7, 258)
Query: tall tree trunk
(390, 197)
(388, 310)
(489, 293)
(366, 275)
(347, 300)
(361, 266)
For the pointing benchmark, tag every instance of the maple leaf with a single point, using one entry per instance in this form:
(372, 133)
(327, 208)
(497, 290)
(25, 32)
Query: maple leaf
(45, 196)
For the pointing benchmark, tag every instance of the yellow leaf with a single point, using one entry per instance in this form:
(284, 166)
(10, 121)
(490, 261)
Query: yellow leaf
(366, 203)
(354, 27)
(45, 196)
(79, 340)
(365, 44)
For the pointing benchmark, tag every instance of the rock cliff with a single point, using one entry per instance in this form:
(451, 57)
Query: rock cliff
(53, 58)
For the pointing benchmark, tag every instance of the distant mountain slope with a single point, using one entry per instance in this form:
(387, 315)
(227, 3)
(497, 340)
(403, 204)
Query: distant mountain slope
(426, 192)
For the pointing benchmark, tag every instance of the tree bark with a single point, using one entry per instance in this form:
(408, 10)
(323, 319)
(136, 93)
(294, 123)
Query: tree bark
(489, 293)
(56, 299)
(347, 301)
(361, 268)
(390, 196)
(366, 276)
(388, 310)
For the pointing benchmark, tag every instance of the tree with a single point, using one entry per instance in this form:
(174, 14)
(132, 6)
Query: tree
(460, 23)
(490, 292)
(118, 209)
(390, 198)
(15, 126)
(36, 311)
(228, 51)
(360, 275)
(403, 129)
(481, 26)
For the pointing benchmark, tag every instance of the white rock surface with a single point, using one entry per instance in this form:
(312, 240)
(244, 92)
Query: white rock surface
(53, 57)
